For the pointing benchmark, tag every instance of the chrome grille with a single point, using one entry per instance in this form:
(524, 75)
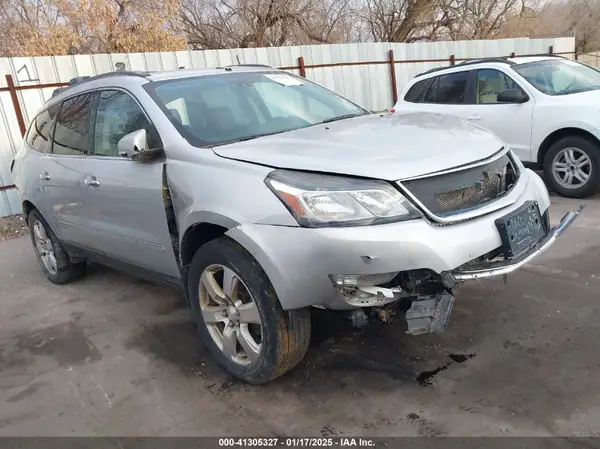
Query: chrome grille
(463, 190)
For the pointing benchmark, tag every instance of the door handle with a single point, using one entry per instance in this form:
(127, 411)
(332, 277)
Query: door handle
(474, 117)
(45, 176)
(91, 182)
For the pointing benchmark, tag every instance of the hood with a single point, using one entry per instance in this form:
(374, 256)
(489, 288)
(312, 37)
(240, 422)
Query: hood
(587, 98)
(388, 147)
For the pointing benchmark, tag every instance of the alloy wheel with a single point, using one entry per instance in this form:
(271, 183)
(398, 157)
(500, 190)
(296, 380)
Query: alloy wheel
(230, 314)
(571, 168)
(44, 247)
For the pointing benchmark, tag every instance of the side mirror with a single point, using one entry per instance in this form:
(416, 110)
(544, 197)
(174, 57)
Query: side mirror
(512, 96)
(133, 143)
(135, 146)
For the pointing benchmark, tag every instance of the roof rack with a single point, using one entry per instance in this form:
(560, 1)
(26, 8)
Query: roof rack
(469, 62)
(482, 60)
(550, 55)
(84, 79)
(248, 65)
(231, 67)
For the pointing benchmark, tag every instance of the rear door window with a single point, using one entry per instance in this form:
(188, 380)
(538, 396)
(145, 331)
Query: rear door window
(72, 132)
(451, 88)
(448, 89)
(40, 132)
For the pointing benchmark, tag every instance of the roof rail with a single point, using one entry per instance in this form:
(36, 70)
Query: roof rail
(469, 62)
(84, 79)
(247, 65)
(550, 55)
(483, 60)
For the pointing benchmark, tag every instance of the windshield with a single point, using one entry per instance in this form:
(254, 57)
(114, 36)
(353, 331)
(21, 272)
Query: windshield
(559, 76)
(217, 109)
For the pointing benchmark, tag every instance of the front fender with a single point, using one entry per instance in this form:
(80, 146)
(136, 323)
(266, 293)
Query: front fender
(205, 216)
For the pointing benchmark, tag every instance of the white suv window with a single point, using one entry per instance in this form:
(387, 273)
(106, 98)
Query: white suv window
(418, 90)
(489, 83)
(448, 89)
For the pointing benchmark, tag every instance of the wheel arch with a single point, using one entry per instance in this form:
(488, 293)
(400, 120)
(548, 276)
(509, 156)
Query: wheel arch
(555, 136)
(27, 206)
(200, 233)
(197, 235)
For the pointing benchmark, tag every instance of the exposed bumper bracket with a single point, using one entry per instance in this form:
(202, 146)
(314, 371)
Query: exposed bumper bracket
(508, 266)
(429, 314)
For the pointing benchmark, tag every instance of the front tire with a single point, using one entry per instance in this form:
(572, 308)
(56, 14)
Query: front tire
(572, 167)
(54, 260)
(239, 317)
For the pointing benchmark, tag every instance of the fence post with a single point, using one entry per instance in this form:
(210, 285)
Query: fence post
(551, 50)
(576, 56)
(302, 67)
(393, 75)
(16, 105)
(452, 60)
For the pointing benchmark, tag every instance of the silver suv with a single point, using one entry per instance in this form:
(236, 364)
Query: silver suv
(262, 194)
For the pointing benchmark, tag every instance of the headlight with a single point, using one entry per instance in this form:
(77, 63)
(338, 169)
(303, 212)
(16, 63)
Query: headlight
(323, 200)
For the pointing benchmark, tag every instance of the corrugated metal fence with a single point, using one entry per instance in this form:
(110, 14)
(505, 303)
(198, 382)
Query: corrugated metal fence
(368, 73)
(591, 59)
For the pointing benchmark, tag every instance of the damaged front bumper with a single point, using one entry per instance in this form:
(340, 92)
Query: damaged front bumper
(430, 308)
(504, 267)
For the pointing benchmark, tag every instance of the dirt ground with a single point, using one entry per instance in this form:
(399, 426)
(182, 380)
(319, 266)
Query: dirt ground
(113, 355)
(12, 227)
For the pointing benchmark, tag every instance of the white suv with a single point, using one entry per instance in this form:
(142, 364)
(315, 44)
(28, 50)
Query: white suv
(546, 108)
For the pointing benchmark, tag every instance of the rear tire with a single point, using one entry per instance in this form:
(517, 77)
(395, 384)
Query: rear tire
(255, 347)
(572, 167)
(55, 262)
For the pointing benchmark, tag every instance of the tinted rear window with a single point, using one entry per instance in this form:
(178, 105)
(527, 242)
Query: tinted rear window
(417, 91)
(38, 136)
(448, 89)
(71, 136)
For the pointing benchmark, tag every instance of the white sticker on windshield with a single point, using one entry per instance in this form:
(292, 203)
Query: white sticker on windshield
(284, 79)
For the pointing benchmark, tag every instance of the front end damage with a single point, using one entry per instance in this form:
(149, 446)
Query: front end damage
(427, 296)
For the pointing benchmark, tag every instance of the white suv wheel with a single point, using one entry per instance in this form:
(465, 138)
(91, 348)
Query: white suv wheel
(572, 168)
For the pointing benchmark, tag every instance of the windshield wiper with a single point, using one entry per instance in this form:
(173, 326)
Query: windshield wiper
(340, 117)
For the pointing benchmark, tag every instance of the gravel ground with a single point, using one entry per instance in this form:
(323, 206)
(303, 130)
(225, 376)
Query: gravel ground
(12, 227)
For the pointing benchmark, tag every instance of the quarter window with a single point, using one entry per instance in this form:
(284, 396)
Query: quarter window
(71, 135)
(430, 95)
(417, 90)
(38, 136)
(490, 82)
(118, 114)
